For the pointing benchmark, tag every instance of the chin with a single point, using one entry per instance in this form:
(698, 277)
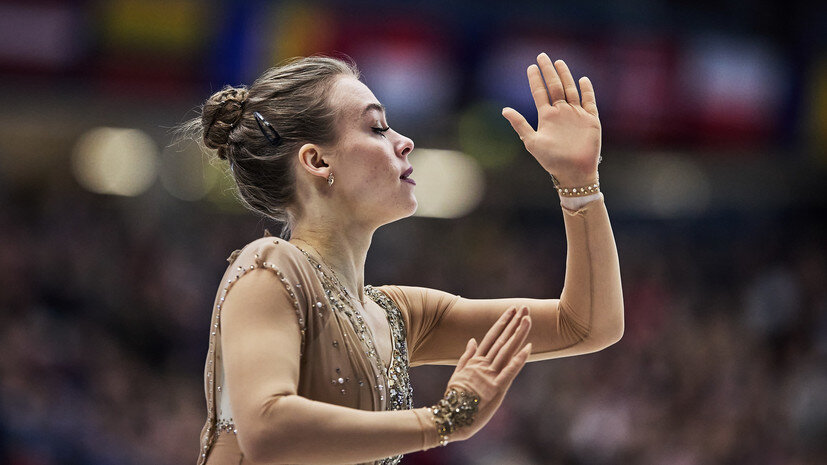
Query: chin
(405, 211)
(414, 205)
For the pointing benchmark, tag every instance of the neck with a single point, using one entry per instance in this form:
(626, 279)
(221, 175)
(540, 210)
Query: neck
(344, 250)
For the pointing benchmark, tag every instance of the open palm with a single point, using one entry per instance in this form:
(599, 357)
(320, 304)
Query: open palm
(568, 136)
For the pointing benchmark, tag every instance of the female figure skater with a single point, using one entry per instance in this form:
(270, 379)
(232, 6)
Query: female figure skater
(306, 364)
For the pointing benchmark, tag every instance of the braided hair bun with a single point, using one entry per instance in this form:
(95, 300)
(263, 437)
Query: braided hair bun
(220, 115)
(294, 98)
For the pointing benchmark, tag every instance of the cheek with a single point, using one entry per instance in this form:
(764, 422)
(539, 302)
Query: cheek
(362, 180)
(371, 167)
(367, 176)
(378, 169)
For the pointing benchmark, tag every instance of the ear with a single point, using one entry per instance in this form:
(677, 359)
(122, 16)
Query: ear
(312, 160)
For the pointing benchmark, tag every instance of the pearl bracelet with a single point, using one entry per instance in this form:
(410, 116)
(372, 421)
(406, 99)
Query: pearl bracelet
(576, 191)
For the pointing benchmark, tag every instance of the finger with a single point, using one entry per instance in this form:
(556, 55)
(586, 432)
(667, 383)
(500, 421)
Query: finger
(538, 89)
(587, 92)
(555, 87)
(518, 122)
(512, 346)
(495, 331)
(514, 366)
(506, 334)
(470, 348)
(568, 82)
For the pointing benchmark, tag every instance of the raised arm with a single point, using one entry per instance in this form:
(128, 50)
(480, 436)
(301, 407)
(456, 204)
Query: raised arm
(589, 314)
(567, 144)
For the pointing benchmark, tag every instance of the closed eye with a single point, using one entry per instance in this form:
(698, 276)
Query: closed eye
(381, 131)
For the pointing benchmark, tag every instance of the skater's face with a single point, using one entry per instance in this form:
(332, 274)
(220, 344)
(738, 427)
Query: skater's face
(369, 160)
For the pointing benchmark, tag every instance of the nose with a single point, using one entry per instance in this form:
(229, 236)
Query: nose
(404, 146)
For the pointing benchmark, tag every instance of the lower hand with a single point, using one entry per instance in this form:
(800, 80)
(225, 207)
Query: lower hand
(488, 369)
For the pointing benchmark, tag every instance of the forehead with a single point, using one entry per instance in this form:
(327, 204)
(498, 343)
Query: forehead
(352, 97)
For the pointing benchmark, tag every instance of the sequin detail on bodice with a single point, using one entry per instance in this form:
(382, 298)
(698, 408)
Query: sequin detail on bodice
(396, 378)
(400, 391)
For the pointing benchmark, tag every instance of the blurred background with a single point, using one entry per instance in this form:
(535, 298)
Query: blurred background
(113, 240)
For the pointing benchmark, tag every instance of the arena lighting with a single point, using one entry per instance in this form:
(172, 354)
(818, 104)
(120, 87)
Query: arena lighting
(115, 161)
(186, 172)
(449, 184)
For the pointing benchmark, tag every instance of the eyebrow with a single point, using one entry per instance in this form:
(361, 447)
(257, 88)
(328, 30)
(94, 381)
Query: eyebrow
(373, 106)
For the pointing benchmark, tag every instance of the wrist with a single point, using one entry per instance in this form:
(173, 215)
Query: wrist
(587, 188)
(575, 178)
(430, 438)
(455, 410)
(577, 174)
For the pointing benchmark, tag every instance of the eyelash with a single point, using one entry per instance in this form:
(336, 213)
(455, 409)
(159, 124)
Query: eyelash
(381, 131)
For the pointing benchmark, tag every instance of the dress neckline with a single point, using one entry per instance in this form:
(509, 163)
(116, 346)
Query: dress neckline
(330, 284)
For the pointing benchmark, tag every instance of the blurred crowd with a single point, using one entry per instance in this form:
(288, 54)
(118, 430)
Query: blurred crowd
(105, 308)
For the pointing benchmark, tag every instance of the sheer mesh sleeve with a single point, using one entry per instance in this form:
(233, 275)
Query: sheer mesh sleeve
(587, 317)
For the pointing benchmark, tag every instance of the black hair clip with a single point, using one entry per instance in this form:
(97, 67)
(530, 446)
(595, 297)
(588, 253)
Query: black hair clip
(265, 126)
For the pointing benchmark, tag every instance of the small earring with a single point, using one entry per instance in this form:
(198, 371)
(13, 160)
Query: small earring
(330, 179)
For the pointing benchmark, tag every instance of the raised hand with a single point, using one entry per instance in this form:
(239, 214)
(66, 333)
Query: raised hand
(567, 139)
(489, 368)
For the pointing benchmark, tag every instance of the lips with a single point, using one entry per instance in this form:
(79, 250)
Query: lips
(405, 175)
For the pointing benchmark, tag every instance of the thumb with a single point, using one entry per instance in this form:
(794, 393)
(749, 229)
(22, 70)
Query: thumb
(518, 122)
(470, 348)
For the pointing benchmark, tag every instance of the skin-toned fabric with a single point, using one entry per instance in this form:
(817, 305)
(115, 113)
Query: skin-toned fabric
(303, 389)
(587, 317)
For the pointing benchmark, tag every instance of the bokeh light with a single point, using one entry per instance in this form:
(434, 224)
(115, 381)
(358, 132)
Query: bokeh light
(449, 184)
(115, 161)
(487, 136)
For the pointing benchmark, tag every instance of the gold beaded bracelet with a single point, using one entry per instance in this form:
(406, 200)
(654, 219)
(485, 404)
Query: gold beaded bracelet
(576, 191)
(453, 411)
